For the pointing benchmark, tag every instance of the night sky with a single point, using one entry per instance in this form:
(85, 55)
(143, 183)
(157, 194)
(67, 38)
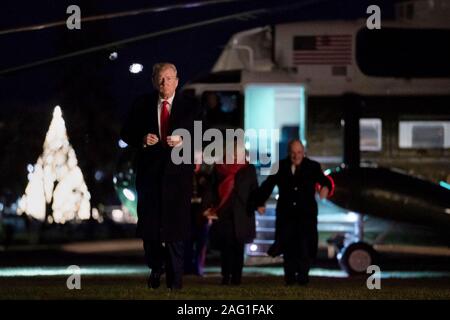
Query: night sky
(95, 92)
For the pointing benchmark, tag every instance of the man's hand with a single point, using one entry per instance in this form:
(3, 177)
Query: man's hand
(174, 141)
(211, 215)
(261, 210)
(150, 139)
(324, 193)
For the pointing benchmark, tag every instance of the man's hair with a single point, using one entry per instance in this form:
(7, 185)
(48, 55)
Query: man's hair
(291, 142)
(157, 67)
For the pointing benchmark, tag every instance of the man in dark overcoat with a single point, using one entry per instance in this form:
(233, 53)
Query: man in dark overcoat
(296, 234)
(164, 189)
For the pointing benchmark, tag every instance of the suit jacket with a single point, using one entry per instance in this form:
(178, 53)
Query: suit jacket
(164, 189)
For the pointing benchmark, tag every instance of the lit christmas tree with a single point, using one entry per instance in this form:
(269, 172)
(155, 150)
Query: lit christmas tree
(56, 189)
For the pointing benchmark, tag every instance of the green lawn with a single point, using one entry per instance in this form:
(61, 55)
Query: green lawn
(255, 287)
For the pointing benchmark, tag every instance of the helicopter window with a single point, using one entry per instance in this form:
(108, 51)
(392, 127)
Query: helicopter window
(404, 53)
(370, 134)
(424, 134)
(221, 109)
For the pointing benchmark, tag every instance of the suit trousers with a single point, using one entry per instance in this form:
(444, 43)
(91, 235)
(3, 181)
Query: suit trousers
(168, 258)
(232, 261)
(299, 251)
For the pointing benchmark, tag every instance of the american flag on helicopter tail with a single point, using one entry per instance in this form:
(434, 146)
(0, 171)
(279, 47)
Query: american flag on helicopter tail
(323, 49)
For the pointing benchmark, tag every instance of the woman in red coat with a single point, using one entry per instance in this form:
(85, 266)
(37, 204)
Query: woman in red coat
(233, 216)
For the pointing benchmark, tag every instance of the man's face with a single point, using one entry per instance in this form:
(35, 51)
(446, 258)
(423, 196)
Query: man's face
(212, 101)
(166, 82)
(297, 153)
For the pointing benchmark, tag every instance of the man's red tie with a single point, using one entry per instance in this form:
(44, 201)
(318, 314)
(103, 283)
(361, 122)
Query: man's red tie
(164, 121)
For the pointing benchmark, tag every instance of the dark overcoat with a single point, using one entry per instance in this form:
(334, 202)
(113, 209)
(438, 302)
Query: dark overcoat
(164, 189)
(237, 216)
(296, 210)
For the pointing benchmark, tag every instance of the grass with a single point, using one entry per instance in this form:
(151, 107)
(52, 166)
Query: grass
(254, 287)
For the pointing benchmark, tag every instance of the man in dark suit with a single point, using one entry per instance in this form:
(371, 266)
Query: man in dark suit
(296, 213)
(164, 189)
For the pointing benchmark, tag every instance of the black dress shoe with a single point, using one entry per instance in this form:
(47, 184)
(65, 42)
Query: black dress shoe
(235, 281)
(289, 283)
(154, 280)
(290, 279)
(225, 281)
(175, 288)
(302, 281)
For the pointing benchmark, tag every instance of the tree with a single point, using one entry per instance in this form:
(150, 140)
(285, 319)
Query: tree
(56, 191)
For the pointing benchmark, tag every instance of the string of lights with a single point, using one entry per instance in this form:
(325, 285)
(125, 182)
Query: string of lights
(121, 14)
(246, 15)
